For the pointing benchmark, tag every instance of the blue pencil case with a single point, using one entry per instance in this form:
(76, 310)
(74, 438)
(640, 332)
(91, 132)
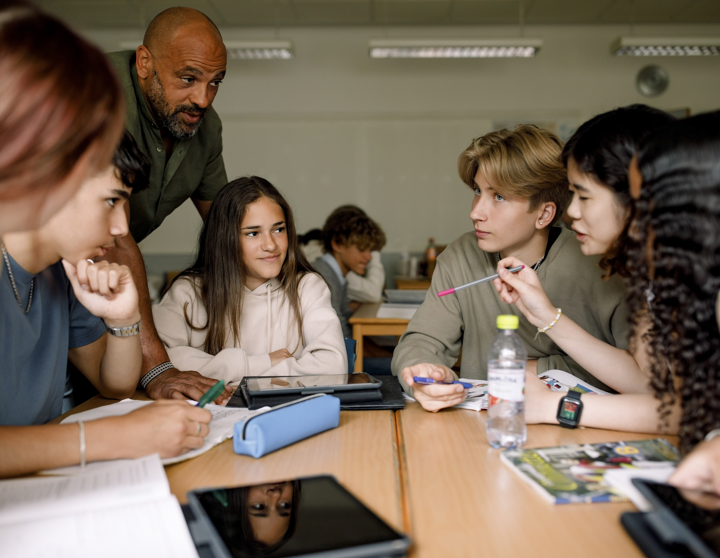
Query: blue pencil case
(286, 424)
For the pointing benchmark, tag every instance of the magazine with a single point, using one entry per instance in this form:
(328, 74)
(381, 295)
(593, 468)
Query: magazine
(573, 474)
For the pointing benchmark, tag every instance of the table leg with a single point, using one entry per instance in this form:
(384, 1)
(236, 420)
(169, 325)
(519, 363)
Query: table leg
(358, 336)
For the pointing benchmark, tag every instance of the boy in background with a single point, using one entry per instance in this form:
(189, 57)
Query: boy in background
(361, 288)
(348, 240)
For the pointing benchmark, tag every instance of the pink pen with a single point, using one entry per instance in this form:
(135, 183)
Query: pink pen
(483, 280)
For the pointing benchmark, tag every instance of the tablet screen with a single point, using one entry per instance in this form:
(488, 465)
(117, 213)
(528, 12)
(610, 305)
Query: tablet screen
(292, 518)
(282, 383)
(701, 515)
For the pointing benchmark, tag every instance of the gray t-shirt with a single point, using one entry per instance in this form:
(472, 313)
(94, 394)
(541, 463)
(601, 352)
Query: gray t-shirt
(34, 346)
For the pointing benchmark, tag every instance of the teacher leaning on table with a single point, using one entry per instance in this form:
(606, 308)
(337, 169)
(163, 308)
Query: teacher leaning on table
(170, 83)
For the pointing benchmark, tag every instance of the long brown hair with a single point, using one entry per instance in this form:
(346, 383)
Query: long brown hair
(220, 267)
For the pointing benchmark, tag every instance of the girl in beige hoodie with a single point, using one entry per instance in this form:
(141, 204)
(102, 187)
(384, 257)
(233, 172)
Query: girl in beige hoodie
(251, 304)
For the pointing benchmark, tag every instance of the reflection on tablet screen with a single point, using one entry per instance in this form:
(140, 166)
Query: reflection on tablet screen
(292, 518)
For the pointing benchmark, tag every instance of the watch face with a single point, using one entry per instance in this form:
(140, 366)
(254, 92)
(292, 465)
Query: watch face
(569, 410)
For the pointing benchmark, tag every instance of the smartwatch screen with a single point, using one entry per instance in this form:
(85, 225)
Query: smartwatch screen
(569, 410)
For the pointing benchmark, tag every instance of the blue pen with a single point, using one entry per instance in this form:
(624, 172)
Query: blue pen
(428, 381)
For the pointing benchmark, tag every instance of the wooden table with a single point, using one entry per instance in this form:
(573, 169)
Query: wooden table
(413, 283)
(464, 502)
(434, 477)
(365, 322)
(361, 453)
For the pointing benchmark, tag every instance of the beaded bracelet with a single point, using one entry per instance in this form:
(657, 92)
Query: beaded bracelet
(544, 329)
(154, 373)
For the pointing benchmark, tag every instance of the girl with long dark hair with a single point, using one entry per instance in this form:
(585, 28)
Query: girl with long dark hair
(251, 304)
(597, 158)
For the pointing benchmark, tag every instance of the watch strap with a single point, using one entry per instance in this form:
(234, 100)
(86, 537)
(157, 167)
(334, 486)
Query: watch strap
(124, 331)
(574, 394)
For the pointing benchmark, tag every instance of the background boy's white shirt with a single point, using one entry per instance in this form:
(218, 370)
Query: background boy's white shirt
(367, 288)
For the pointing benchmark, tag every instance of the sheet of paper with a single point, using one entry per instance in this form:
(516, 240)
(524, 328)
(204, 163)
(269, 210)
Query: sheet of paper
(398, 311)
(128, 481)
(153, 529)
(221, 428)
(622, 480)
(556, 380)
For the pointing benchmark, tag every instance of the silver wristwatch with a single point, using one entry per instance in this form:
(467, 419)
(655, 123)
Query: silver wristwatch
(125, 331)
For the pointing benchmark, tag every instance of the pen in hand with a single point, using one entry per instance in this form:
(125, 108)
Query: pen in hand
(483, 280)
(427, 381)
(211, 394)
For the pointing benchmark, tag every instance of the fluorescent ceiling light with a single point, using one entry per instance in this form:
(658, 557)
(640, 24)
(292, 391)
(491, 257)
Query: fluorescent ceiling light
(491, 48)
(259, 50)
(244, 50)
(666, 46)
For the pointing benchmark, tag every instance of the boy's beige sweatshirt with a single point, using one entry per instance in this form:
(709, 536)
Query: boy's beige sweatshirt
(266, 325)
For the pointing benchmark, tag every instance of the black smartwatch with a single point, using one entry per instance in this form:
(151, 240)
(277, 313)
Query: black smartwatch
(570, 409)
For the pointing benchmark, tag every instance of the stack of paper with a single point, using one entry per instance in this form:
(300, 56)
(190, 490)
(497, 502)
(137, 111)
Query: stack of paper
(118, 511)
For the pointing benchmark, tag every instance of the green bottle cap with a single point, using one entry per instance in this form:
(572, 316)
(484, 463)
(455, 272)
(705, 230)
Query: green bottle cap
(507, 322)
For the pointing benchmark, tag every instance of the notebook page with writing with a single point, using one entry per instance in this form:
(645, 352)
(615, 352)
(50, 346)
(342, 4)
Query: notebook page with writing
(128, 481)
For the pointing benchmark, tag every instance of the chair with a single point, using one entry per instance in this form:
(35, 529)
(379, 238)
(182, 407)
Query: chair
(351, 349)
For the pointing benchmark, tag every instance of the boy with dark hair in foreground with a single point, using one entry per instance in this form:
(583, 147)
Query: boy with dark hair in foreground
(57, 304)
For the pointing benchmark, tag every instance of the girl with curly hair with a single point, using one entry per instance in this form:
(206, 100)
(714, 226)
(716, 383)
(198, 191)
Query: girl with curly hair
(676, 268)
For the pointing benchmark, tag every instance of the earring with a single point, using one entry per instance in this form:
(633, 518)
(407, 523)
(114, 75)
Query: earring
(541, 222)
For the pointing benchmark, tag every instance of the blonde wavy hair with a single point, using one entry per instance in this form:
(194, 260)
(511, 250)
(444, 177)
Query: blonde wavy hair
(525, 162)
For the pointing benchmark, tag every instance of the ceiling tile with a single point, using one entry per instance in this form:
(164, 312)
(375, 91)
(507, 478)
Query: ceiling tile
(251, 13)
(700, 11)
(485, 12)
(643, 11)
(411, 12)
(555, 12)
(328, 12)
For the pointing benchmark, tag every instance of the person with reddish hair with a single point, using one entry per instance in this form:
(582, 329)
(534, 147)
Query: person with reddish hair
(61, 115)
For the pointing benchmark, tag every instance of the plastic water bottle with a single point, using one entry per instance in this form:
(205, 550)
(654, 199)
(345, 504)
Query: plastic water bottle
(506, 387)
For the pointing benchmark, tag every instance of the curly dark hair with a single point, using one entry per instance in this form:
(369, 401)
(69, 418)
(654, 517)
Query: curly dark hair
(603, 147)
(349, 225)
(675, 269)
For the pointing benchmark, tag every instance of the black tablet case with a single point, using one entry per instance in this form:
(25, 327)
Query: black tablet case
(635, 524)
(388, 397)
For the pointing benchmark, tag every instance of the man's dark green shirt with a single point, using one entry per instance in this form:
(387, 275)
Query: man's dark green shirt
(195, 168)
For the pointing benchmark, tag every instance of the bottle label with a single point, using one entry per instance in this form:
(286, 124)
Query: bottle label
(506, 385)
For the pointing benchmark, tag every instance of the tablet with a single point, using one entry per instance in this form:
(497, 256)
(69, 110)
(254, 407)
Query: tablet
(308, 517)
(686, 520)
(307, 385)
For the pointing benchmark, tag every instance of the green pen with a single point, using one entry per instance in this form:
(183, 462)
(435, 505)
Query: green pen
(211, 394)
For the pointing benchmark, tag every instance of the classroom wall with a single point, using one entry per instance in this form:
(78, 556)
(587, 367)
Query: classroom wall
(333, 126)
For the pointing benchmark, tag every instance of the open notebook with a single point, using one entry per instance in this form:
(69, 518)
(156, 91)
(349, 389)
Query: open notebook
(117, 511)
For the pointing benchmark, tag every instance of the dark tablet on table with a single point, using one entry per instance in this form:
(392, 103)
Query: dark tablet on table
(684, 523)
(307, 517)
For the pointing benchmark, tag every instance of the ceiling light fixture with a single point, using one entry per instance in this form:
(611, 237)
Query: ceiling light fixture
(666, 46)
(260, 50)
(490, 48)
(245, 50)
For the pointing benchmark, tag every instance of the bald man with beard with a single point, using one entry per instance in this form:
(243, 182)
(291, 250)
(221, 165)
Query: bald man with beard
(170, 82)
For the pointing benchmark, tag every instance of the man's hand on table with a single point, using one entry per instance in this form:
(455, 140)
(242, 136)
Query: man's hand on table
(184, 384)
(434, 397)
